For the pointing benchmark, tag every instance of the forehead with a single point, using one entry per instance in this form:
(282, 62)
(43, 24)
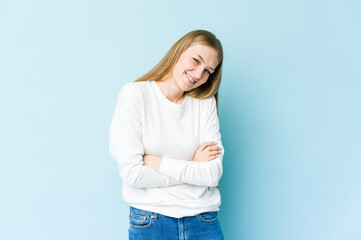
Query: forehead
(209, 54)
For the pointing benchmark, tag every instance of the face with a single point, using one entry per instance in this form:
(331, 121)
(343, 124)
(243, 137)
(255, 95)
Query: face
(194, 66)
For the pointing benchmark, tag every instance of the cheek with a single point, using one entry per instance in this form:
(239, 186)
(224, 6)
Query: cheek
(187, 65)
(177, 70)
(180, 68)
(202, 81)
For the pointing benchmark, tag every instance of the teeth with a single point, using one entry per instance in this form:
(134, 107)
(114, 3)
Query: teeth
(190, 78)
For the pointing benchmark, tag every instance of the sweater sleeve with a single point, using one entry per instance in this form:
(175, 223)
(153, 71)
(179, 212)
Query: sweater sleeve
(125, 143)
(199, 173)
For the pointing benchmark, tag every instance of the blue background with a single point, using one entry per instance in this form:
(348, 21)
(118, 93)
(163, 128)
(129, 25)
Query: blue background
(289, 110)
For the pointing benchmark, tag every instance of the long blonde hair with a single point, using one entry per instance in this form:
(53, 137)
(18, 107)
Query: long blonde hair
(166, 65)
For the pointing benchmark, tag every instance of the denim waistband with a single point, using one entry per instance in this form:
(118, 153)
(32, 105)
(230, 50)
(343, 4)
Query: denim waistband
(141, 211)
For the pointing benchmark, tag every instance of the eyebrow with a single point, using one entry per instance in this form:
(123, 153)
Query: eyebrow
(203, 61)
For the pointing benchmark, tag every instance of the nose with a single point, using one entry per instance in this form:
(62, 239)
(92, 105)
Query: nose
(198, 72)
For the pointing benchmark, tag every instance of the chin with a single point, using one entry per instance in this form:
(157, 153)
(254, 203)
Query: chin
(183, 86)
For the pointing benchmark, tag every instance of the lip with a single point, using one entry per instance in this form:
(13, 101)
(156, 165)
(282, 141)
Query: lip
(190, 79)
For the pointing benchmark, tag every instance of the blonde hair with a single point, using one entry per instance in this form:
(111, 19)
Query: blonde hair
(166, 65)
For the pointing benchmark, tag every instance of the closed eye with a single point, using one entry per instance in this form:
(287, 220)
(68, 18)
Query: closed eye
(196, 60)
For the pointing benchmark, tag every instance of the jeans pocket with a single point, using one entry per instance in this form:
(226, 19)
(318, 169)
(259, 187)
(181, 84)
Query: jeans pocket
(208, 217)
(140, 220)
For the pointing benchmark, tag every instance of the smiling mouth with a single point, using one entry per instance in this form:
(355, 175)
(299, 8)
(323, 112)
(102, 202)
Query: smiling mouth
(190, 79)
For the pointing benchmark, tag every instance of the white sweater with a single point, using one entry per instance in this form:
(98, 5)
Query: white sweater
(146, 122)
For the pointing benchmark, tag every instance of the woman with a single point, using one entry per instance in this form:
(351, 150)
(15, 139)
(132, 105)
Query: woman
(165, 138)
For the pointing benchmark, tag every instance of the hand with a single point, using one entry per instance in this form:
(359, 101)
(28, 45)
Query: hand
(152, 161)
(207, 151)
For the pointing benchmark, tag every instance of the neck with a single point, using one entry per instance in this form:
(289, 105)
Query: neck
(170, 90)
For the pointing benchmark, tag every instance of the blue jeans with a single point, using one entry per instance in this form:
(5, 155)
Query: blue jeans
(145, 225)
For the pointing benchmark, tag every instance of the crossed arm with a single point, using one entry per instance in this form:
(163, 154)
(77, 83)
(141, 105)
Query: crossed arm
(206, 152)
(145, 170)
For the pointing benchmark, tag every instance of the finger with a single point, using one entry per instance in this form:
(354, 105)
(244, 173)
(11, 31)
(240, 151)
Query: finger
(215, 148)
(212, 158)
(201, 147)
(215, 152)
(211, 144)
(207, 159)
(207, 144)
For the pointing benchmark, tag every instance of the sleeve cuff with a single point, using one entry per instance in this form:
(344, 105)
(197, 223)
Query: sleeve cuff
(171, 167)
